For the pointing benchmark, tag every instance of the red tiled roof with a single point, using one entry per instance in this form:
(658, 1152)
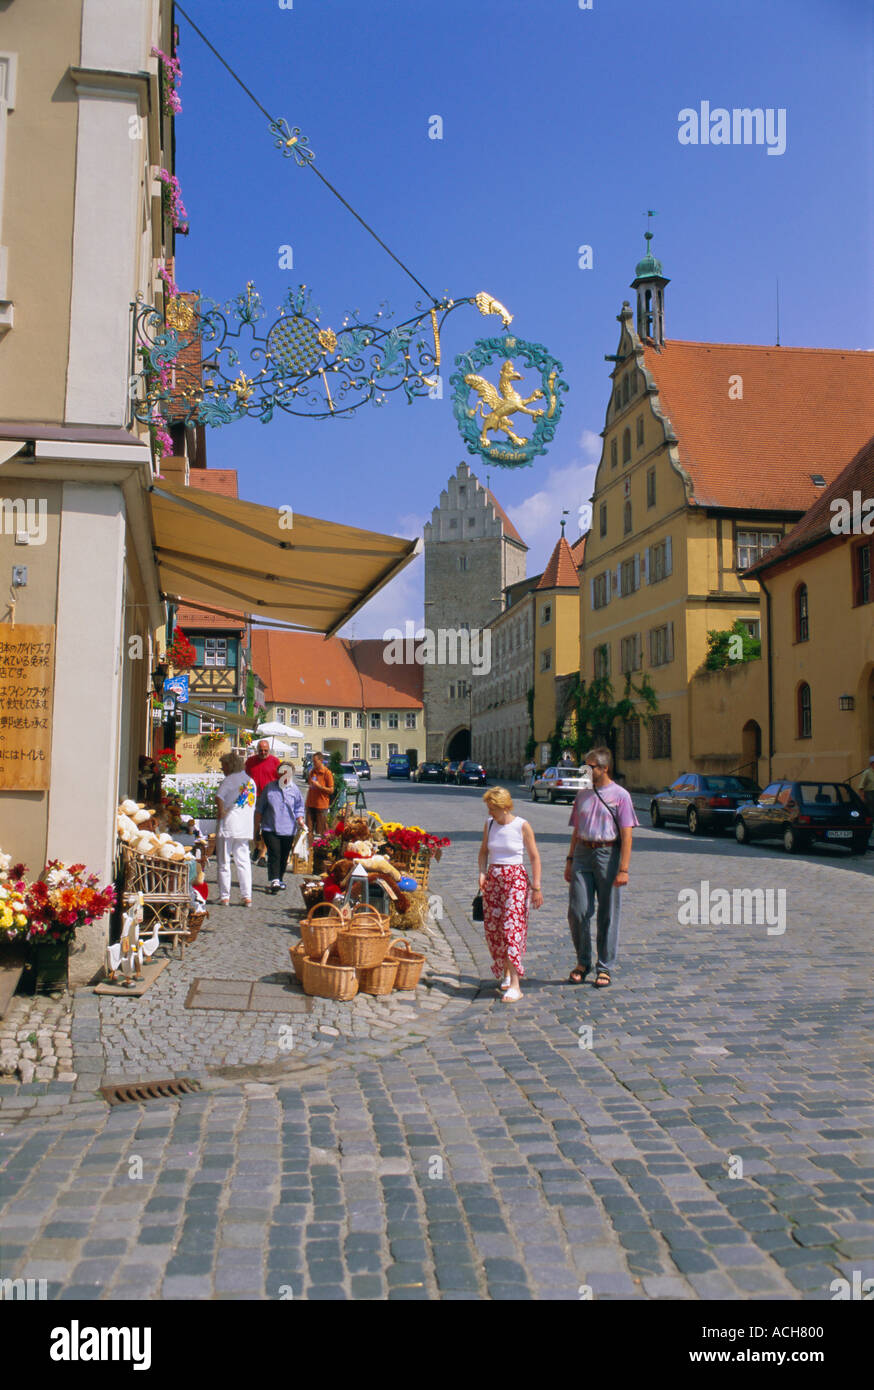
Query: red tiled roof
(803, 411)
(578, 551)
(301, 668)
(561, 571)
(815, 525)
(509, 528)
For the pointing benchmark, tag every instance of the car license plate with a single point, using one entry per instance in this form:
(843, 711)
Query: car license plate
(839, 834)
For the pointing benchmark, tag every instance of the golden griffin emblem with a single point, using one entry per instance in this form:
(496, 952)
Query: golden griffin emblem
(495, 407)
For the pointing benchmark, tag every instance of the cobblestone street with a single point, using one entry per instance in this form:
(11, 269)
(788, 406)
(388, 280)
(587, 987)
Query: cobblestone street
(702, 1129)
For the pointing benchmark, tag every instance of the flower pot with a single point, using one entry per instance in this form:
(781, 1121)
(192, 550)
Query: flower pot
(49, 961)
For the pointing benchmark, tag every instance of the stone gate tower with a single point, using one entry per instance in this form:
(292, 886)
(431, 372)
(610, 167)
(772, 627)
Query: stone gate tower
(472, 552)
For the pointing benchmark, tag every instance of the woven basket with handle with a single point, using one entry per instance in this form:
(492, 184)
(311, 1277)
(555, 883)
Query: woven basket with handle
(410, 964)
(298, 956)
(379, 979)
(364, 945)
(318, 930)
(366, 912)
(329, 979)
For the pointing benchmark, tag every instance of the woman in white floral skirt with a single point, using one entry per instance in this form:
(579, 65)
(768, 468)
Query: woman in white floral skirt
(507, 888)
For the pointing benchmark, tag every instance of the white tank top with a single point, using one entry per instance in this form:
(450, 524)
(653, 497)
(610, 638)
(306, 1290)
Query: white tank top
(505, 842)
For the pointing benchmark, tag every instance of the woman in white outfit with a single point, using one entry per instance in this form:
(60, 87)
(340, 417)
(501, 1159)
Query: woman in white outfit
(506, 888)
(235, 804)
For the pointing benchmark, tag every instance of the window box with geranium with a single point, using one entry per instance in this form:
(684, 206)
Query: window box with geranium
(181, 653)
(171, 75)
(166, 760)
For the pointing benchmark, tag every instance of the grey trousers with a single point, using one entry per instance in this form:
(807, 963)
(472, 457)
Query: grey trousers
(592, 884)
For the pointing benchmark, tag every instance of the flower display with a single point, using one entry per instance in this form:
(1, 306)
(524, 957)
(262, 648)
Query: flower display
(172, 74)
(412, 837)
(167, 759)
(13, 911)
(171, 194)
(181, 653)
(62, 900)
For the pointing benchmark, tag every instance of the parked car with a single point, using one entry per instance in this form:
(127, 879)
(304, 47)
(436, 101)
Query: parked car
(398, 766)
(362, 767)
(703, 801)
(451, 769)
(350, 776)
(560, 783)
(430, 772)
(803, 813)
(470, 774)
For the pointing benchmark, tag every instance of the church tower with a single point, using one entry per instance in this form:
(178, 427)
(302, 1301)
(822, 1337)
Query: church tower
(472, 553)
(650, 281)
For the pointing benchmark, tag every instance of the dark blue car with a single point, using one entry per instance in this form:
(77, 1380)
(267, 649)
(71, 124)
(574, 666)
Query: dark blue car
(398, 766)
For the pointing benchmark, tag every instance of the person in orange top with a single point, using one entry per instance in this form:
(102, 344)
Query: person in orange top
(321, 788)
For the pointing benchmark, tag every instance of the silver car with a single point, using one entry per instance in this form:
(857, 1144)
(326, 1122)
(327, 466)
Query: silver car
(560, 783)
(350, 776)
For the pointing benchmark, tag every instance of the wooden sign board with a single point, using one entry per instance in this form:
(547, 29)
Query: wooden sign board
(27, 668)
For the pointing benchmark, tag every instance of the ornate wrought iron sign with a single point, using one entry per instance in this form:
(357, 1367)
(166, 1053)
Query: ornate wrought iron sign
(238, 369)
(485, 410)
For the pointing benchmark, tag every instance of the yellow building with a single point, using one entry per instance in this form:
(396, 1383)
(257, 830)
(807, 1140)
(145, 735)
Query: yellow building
(556, 609)
(712, 451)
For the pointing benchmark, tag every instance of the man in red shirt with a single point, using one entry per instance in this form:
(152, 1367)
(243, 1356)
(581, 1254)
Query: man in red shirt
(263, 766)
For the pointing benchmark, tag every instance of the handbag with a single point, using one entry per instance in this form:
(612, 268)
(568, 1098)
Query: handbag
(477, 908)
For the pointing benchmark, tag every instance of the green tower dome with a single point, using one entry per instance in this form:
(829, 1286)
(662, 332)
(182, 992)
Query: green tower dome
(649, 266)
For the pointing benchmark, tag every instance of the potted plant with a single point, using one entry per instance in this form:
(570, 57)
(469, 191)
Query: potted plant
(57, 904)
(167, 759)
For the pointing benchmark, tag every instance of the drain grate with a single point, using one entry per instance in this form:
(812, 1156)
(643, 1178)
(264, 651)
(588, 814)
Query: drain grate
(149, 1090)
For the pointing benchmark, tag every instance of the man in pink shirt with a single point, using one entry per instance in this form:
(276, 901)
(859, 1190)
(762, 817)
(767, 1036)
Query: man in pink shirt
(597, 866)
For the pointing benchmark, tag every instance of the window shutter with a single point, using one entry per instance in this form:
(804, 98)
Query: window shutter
(669, 567)
(637, 571)
(651, 646)
(669, 654)
(618, 581)
(646, 566)
(592, 593)
(608, 585)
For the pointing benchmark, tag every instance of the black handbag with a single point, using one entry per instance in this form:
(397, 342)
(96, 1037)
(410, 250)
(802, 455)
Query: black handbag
(477, 910)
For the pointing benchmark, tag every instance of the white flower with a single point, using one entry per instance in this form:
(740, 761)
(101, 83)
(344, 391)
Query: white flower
(56, 878)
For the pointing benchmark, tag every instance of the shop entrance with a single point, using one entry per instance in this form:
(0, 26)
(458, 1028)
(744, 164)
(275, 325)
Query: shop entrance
(337, 745)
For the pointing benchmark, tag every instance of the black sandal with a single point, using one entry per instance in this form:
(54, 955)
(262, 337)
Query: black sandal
(603, 980)
(577, 975)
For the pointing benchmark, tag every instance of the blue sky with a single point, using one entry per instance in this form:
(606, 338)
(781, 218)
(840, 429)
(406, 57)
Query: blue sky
(559, 129)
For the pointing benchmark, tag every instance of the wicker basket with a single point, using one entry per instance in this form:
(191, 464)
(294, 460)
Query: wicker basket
(318, 930)
(155, 877)
(409, 963)
(328, 979)
(298, 956)
(415, 863)
(363, 946)
(379, 979)
(365, 913)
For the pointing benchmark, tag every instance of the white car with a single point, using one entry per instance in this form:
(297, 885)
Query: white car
(350, 776)
(560, 783)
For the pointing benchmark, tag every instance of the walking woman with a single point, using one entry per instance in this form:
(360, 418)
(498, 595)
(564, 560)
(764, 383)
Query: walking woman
(278, 810)
(235, 806)
(505, 887)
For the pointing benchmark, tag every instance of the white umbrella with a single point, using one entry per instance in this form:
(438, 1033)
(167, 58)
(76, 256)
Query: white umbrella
(277, 746)
(283, 730)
